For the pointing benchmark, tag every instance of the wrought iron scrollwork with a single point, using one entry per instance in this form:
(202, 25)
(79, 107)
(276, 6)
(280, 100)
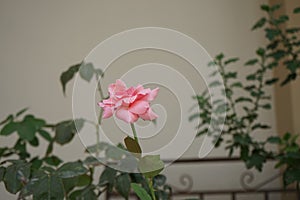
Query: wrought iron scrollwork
(247, 178)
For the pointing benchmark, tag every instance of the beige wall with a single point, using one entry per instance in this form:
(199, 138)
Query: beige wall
(287, 97)
(40, 39)
(295, 92)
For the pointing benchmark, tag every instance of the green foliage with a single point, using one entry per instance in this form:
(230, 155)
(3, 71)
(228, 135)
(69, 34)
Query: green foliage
(15, 176)
(71, 169)
(151, 165)
(65, 131)
(133, 146)
(86, 72)
(123, 184)
(85, 193)
(251, 97)
(140, 192)
(108, 178)
(49, 177)
(68, 75)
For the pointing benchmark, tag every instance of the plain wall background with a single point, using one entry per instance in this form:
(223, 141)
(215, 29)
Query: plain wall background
(40, 39)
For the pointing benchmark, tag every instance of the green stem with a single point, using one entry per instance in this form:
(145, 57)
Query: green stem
(134, 132)
(100, 115)
(150, 183)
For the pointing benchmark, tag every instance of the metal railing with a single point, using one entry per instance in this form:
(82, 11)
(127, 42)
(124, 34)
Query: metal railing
(246, 179)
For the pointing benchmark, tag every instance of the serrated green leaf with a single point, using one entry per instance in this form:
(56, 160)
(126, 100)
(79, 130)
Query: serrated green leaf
(271, 34)
(289, 78)
(275, 7)
(159, 180)
(9, 128)
(237, 84)
(29, 126)
(114, 153)
(122, 184)
(271, 81)
(290, 176)
(221, 108)
(21, 112)
(45, 135)
(49, 148)
(292, 65)
(34, 142)
(287, 136)
(26, 130)
(97, 147)
(260, 126)
(66, 76)
(260, 51)
(220, 56)
(274, 140)
(14, 176)
(256, 160)
(91, 161)
(86, 193)
(251, 77)
(108, 178)
(229, 75)
(83, 180)
(140, 192)
(265, 7)
(281, 19)
(214, 84)
(71, 169)
(273, 44)
(65, 131)
(151, 165)
(231, 60)
(212, 63)
(296, 10)
(266, 106)
(9, 118)
(277, 55)
(251, 62)
(46, 186)
(260, 23)
(36, 163)
(53, 160)
(86, 71)
(293, 30)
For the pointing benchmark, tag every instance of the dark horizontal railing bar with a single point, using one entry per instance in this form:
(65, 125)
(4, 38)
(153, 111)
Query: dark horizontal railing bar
(226, 192)
(202, 160)
(222, 192)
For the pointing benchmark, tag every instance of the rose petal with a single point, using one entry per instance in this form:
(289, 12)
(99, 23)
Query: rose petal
(109, 101)
(151, 95)
(117, 89)
(149, 115)
(107, 112)
(125, 115)
(139, 107)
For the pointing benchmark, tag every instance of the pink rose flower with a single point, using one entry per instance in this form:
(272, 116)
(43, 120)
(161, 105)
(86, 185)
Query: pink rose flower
(129, 104)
